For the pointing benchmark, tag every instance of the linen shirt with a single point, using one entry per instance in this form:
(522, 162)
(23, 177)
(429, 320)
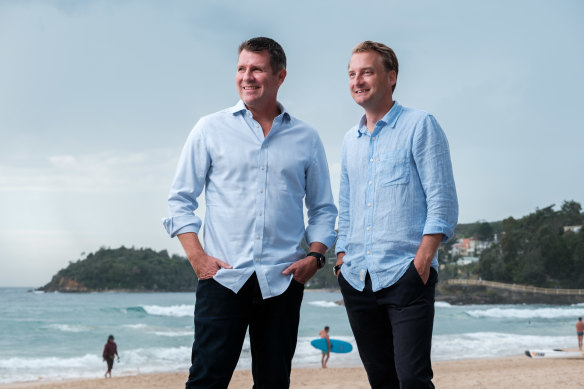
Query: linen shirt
(254, 188)
(396, 186)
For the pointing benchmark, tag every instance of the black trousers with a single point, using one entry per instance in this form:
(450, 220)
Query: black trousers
(393, 329)
(221, 321)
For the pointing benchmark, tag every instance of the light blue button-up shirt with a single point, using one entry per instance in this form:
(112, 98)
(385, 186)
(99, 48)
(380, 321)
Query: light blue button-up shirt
(254, 188)
(396, 186)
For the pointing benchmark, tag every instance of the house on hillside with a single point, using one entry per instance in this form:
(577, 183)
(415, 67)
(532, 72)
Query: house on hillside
(469, 247)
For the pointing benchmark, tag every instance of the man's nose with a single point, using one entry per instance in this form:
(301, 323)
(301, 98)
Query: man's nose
(248, 75)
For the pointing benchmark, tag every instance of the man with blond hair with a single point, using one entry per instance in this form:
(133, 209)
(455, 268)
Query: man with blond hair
(397, 202)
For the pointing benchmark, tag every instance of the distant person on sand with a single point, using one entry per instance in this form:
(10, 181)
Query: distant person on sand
(256, 164)
(325, 355)
(397, 203)
(580, 332)
(109, 351)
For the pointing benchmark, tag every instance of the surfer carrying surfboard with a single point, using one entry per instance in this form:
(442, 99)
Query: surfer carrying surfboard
(325, 354)
(397, 203)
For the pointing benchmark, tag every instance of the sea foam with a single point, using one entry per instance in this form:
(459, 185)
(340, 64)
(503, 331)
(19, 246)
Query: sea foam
(173, 310)
(527, 313)
(324, 304)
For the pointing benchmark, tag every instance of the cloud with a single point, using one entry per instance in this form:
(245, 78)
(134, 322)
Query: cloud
(93, 172)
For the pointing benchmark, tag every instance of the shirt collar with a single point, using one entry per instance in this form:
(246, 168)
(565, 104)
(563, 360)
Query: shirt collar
(389, 120)
(240, 107)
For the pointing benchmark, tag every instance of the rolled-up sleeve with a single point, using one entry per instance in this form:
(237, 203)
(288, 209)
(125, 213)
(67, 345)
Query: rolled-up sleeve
(432, 157)
(322, 211)
(188, 184)
(344, 200)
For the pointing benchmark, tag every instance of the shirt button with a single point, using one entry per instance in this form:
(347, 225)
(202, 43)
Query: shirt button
(263, 168)
(369, 204)
(257, 259)
(368, 252)
(373, 138)
(368, 228)
(371, 160)
(261, 191)
(260, 213)
(370, 182)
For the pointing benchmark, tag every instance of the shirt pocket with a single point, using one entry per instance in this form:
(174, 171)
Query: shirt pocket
(395, 168)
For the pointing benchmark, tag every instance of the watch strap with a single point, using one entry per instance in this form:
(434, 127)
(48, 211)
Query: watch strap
(320, 259)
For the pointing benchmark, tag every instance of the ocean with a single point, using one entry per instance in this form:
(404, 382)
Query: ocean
(56, 336)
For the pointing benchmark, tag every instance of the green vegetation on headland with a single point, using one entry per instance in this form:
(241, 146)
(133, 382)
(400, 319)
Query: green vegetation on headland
(544, 249)
(130, 269)
(125, 269)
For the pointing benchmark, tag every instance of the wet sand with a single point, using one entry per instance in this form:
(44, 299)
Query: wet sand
(499, 373)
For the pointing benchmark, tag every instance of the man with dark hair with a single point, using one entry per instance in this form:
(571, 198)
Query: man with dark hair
(397, 202)
(256, 164)
(275, 51)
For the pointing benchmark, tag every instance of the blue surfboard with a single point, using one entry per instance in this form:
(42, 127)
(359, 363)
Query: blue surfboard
(337, 346)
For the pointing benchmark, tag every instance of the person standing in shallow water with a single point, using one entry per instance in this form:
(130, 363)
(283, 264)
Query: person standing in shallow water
(580, 332)
(109, 351)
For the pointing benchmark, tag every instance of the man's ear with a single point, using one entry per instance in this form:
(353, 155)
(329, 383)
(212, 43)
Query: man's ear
(281, 76)
(391, 78)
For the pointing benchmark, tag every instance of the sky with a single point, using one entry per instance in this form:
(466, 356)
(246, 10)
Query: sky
(98, 97)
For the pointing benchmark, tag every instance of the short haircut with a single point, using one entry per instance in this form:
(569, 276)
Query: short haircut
(326, 328)
(388, 57)
(259, 44)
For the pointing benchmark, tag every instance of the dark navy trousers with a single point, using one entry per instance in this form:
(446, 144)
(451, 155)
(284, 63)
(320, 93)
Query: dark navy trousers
(222, 318)
(393, 329)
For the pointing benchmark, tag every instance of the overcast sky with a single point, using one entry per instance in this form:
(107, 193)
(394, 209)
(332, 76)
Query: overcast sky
(97, 98)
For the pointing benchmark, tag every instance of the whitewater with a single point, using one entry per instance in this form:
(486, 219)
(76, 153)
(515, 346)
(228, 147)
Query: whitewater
(56, 336)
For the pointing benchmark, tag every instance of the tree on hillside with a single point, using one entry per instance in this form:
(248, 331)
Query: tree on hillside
(535, 249)
(485, 232)
(571, 213)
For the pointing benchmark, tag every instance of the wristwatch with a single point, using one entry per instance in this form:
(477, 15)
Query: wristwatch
(336, 269)
(320, 259)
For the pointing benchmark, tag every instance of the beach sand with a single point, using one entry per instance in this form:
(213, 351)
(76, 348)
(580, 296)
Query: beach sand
(499, 373)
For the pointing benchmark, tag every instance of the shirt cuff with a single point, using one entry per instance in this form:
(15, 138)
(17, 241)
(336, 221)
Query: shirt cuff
(322, 234)
(340, 247)
(181, 224)
(438, 226)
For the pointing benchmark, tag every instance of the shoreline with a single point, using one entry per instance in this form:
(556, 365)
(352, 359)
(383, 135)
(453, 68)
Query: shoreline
(504, 372)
